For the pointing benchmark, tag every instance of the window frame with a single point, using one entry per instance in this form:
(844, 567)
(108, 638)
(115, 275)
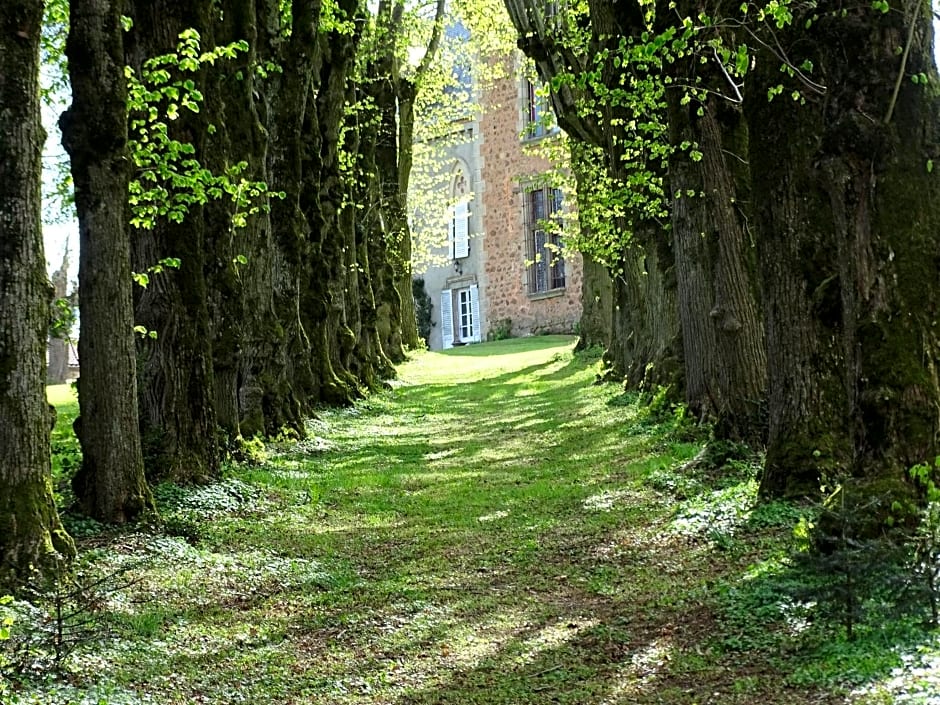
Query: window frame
(544, 247)
(538, 118)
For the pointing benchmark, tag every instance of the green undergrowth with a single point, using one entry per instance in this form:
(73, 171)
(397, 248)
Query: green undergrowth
(496, 528)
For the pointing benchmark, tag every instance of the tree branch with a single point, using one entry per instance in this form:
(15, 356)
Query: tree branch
(433, 43)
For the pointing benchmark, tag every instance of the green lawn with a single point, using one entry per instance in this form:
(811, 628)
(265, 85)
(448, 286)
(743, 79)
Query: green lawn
(497, 529)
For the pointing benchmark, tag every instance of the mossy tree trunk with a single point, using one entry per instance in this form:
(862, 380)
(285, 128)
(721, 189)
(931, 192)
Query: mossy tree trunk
(239, 259)
(31, 536)
(716, 270)
(110, 484)
(394, 96)
(847, 211)
(176, 377)
(406, 136)
(287, 380)
(596, 284)
(371, 361)
(323, 201)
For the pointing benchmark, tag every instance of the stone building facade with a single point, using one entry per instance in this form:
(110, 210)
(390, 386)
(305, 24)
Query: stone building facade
(505, 272)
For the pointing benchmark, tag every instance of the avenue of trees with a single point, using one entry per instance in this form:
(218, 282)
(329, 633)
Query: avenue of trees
(248, 161)
(769, 219)
(760, 218)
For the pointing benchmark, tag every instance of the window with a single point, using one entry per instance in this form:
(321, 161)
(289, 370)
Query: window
(466, 328)
(465, 314)
(545, 270)
(459, 235)
(538, 120)
(460, 230)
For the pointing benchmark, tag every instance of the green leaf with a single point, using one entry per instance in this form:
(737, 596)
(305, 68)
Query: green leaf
(741, 60)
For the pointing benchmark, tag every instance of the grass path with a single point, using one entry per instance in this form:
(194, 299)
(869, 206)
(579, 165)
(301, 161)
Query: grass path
(486, 532)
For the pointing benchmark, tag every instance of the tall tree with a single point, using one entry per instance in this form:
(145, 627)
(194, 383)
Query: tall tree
(393, 86)
(716, 264)
(110, 484)
(847, 212)
(31, 536)
(175, 371)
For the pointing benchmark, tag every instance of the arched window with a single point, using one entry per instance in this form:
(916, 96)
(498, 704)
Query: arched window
(459, 237)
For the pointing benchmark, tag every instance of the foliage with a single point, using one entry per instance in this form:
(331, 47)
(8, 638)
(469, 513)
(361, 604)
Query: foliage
(62, 318)
(858, 568)
(447, 102)
(500, 330)
(66, 451)
(58, 197)
(54, 619)
(170, 178)
(925, 541)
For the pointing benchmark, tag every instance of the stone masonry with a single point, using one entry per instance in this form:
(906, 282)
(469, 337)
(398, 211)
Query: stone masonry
(506, 168)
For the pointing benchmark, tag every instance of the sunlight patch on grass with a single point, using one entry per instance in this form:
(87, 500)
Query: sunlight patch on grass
(483, 533)
(638, 674)
(608, 499)
(552, 636)
(500, 514)
(61, 394)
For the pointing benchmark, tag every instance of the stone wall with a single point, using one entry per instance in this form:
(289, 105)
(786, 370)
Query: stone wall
(505, 168)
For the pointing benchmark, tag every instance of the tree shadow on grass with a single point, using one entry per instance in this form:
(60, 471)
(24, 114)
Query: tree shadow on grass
(486, 543)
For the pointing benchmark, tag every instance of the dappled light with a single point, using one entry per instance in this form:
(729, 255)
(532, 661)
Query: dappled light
(506, 534)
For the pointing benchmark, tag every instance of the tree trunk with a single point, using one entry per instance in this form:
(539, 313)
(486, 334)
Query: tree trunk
(360, 366)
(722, 338)
(389, 230)
(409, 320)
(31, 536)
(645, 342)
(596, 284)
(735, 315)
(847, 208)
(110, 484)
(241, 308)
(177, 397)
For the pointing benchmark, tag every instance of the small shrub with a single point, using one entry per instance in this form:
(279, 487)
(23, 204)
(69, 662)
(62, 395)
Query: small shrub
(858, 555)
(500, 330)
(252, 450)
(423, 308)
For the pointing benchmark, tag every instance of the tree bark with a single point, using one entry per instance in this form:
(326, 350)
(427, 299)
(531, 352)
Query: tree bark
(31, 536)
(723, 342)
(847, 208)
(110, 484)
(176, 377)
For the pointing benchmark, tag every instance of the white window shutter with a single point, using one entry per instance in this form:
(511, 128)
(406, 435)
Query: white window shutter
(461, 230)
(475, 312)
(450, 237)
(447, 319)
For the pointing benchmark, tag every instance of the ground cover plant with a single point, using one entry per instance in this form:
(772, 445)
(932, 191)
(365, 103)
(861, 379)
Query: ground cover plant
(496, 528)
